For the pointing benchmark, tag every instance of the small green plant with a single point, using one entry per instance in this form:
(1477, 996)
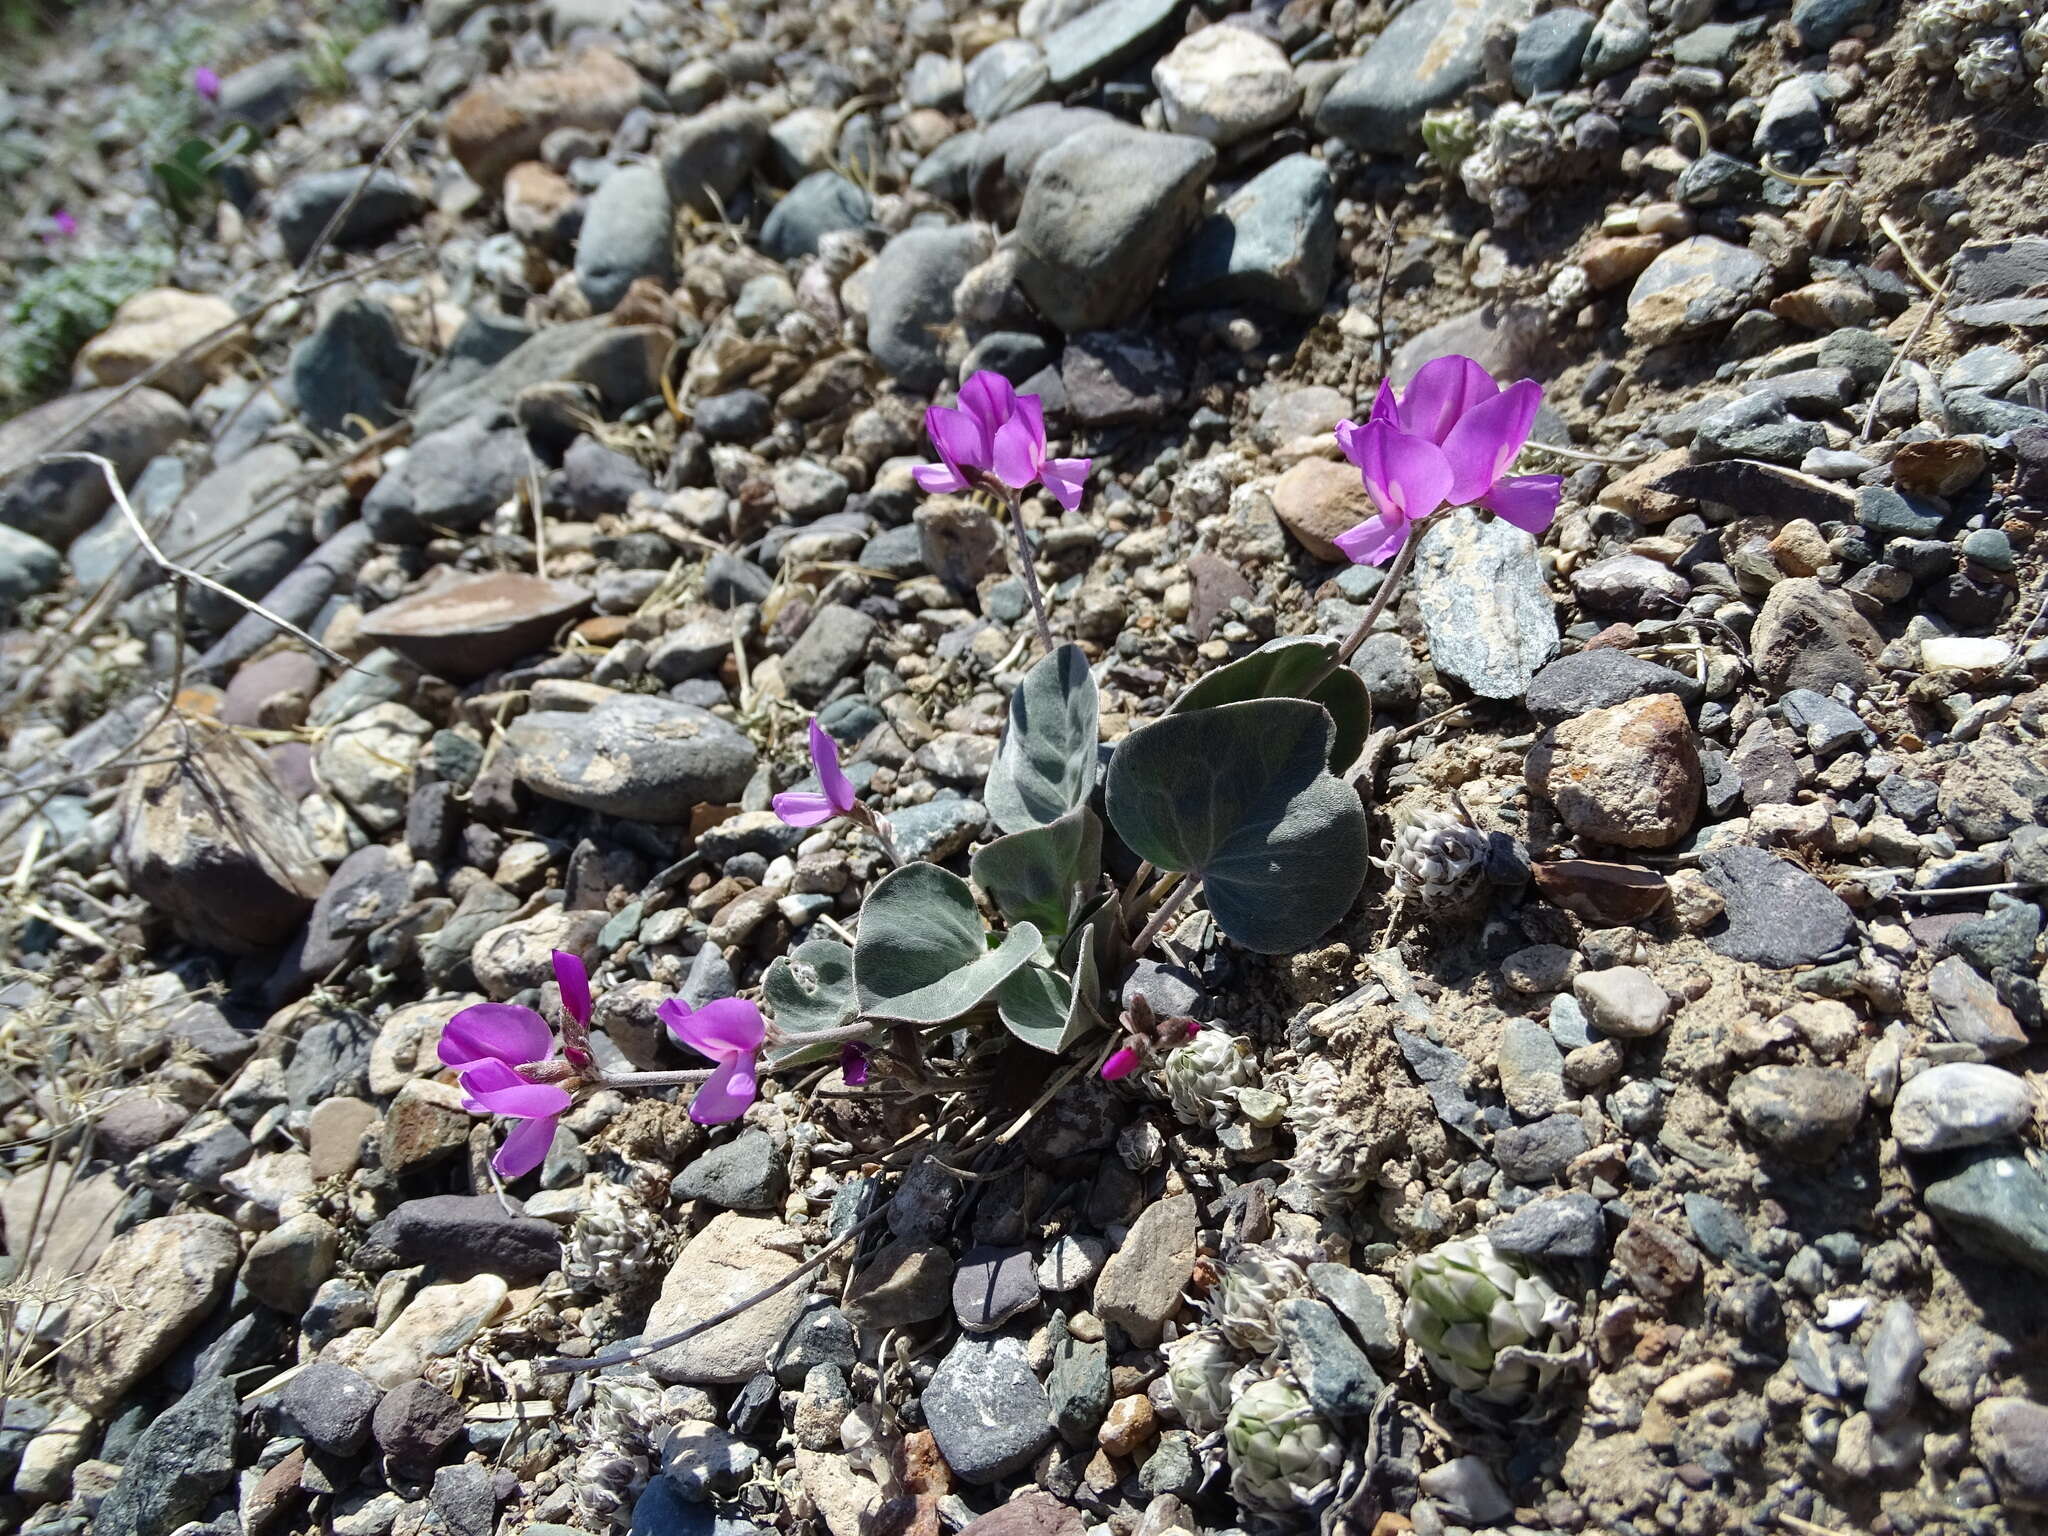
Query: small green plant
(188, 179)
(56, 312)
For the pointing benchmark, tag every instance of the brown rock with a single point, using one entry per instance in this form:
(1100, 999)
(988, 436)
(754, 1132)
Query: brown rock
(1807, 636)
(1656, 1260)
(1612, 260)
(1029, 1514)
(540, 205)
(726, 1263)
(904, 1283)
(334, 1135)
(1627, 775)
(212, 842)
(1828, 305)
(1140, 1287)
(1635, 493)
(154, 327)
(495, 125)
(1944, 467)
(470, 625)
(1129, 1424)
(1600, 892)
(1320, 498)
(426, 1124)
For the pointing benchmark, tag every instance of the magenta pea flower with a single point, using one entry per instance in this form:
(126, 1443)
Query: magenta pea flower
(206, 83)
(730, 1032)
(504, 1058)
(804, 808)
(1448, 442)
(853, 1064)
(1121, 1063)
(62, 226)
(998, 432)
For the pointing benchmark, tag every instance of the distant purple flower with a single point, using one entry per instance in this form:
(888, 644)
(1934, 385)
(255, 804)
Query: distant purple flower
(206, 83)
(999, 432)
(62, 226)
(731, 1033)
(853, 1064)
(1121, 1063)
(804, 808)
(1447, 442)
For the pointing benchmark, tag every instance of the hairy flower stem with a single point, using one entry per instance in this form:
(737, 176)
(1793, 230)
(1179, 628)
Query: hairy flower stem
(1380, 599)
(878, 825)
(1164, 915)
(1026, 565)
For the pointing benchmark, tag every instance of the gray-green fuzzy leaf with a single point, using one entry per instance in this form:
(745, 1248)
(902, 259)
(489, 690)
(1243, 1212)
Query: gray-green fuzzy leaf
(1282, 669)
(1040, 875)
(1045, 766)
(922, 956)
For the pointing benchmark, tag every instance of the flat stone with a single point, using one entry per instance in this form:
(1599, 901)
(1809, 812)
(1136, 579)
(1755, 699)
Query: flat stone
(1537, 1153)
(1995, 1205)
(636, 756)
(1999, 282)
(1568, 1226)
(831, 646)
(2010, 1436)
(1807, 636)
(1960, 1104)
(437, 1322)
(1426, 57)
(1333, 1371)
(1598, 679)
(1778, 915)
(1624, 1002)
(1531, 1069)
(724, 1264)
(180, 1462)
(378, 204)
(460, 1235)
(1805, 1114)
(1971, 1011)
(1484, 601)
(1699, 284)
(1273, 242)
(1139, 1288)
(184, 1265)
(906, 1282)
(986, 1409)
(993, 1285)
(1105, 37)
(468, 626)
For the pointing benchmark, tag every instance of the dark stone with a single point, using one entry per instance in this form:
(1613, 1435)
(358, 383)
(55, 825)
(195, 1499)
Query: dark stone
(1598, 679)
(991, 1285)
(1778, 915)
(184, 1458)
(331, 1407)
(745, 1174)
(1332, 1370)
(415, 1422)
(462, 1235)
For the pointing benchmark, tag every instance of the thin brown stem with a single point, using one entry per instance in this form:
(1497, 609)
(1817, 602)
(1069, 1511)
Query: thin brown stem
(1164, 915)
(1380, 599)
(1027, 566)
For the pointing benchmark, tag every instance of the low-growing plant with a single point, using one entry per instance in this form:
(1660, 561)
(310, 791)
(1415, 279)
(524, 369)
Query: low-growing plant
(57, 311)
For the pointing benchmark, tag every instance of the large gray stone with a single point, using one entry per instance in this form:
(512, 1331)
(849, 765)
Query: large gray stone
(986, 1408)
(628, 233)
(452, 479)
(241, 526)
(1101, 218)
(822, 202)
(910, 300)
(1485, 604)
(306, 204)
(27, 565)
(1425, 58)
(620, 362)
(58, 502)
(1106, 37)
(356, 364)
(1996, 1205)
(707, 158)
(184, 1458)
(1778, 914)
(645, 758)
(1273, 243)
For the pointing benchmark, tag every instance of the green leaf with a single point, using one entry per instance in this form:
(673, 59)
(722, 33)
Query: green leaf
(811, 987)
(1045, 766)
(1242, 796)
(1281, 669)
(1041, 875)
(1045, 1010)
(923, 956)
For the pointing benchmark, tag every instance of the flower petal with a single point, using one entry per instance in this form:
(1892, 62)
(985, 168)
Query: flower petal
(1484, 444)
(526, 1147)
(494, 1032)
(1407, 475)
(1374, 541)
(1527, 501)
(1017, 457)
(726, 1093)
(961, 440)
(1350, 433)
(825, 758)
(1443, 391)
(853, 1064)
(1065, 478)
(803, 808)
(1385, 407)
(938, 479)
(1120, 1064)
(990, 400)
(573, 981)
(718, 1030)
(501, 1091)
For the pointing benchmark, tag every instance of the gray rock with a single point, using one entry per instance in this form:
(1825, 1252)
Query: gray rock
(1778, 915)
(1821, 23)
(1995, 1205)
(1699, 284)
(1484, 602)
(331, 1406)
(1805, 1114)
(463, 1235)
(986, 1409)
(1102, 215)
(938, 829)
(355, 364)
(1140, 1286)
(58, 502)
(184, 1458)
(821, 203)
(2003, 939)
(1630, 587)
(242, 527)
(27, 565)
(1005, 77)
(1386, 664)
(1274, 242)
(1620, 40)
(1114, 377)
(1893, 1358)
(744, 1174)
(1466, 1488)
(1537, 1153)
(1548, 51)
(304, 205)
(1332, 1370)
(992, 1285)
(1830, 727)
(1425, 58)
(1531, 1069)
(1999, 282)
(1624, 1001)
(707, 157)
(1588, 680)
(1370, 1313)
(628, 233)
(2010, 1436)
(1105, 37)
(823, 1335)
(1971, 1011)
(1567, 1226)
(910, 300)
(1078, 1384)
(635, 756)
(831, 646)
(451, 479)
(621, 363)
(1992, 792)
(265, 94)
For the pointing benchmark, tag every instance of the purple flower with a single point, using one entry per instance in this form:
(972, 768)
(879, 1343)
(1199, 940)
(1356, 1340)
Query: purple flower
(62, 226)
(731, 1033)
(1448, 442)
(1120, 1064)
(1000, 432)
(853, 1064)
(206, 83)
(806, 809)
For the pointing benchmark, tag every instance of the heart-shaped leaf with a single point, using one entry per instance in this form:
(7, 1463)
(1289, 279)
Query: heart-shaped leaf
(811, 987)
(1044, 1009)
(923, 956)
(1242, 795)
(1283, 669)
(1045, 766)
(1041, 875)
